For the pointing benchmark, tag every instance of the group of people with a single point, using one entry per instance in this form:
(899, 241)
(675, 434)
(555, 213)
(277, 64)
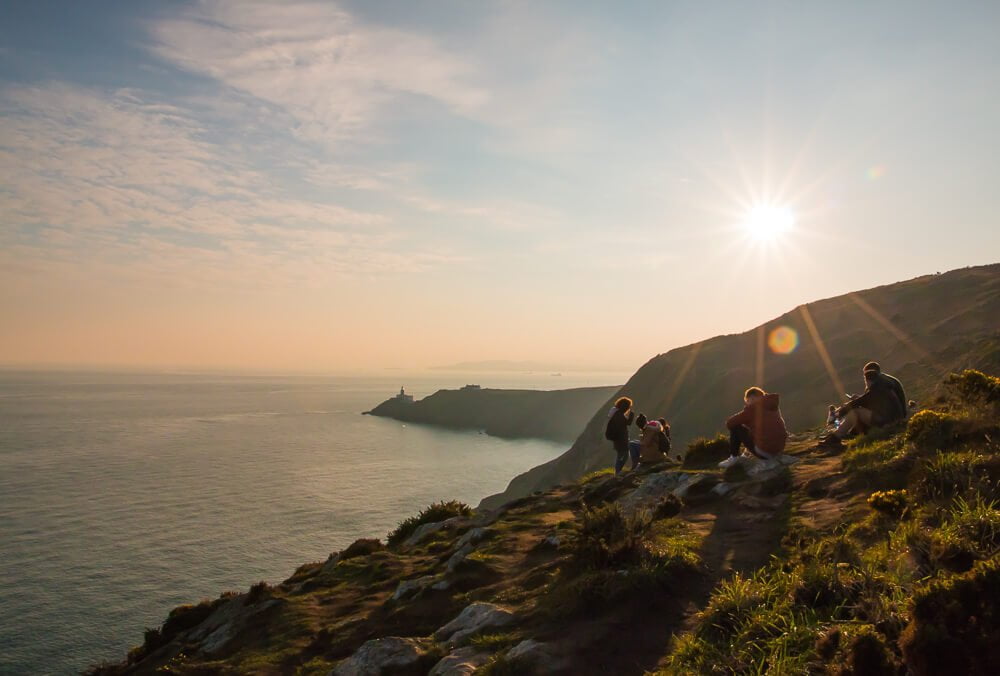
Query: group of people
(653, 444)
(759, 427)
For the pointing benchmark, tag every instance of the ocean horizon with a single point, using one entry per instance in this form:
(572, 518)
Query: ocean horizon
(125, 494)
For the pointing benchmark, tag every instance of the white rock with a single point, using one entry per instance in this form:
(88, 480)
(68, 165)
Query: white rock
(473, 536)
(535, 654)
(456, 559)
(408, 588)
(655, 487)
(421, 533)
(374, 656)
(475, 618)
(462, 662)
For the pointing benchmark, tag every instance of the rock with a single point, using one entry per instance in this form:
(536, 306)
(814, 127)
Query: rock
(410, 588)
(457, 558)
(381, 654)
(540, 657)
(551, 541)
(655, 487)
(214, 635)
(474, 536)
(421, 533)
(476, 617)
(461, 662)
(723, 488)
(441, 585)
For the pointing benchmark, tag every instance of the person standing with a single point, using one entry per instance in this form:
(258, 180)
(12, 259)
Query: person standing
(616, 431)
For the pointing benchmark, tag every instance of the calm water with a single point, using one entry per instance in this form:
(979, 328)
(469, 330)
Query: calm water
(122, 496)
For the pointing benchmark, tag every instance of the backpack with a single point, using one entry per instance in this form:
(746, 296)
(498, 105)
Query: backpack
(608, 429)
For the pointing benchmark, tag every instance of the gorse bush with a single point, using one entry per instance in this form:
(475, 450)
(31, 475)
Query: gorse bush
(932, 429)
(361, 547)
(438, 511)
(975, 386)
(705, 453)
(608, 537)
(890, 503)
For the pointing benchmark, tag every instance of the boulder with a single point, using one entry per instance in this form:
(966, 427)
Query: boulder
(655, 487)
(410, 588)
(475, 618)
(539, 657)
(461, 662)
(424, 530)
(375, 656)
(457, 558)
(219, 629)
(474, 536)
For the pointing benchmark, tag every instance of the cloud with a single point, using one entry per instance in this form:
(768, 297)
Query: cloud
(332, 74)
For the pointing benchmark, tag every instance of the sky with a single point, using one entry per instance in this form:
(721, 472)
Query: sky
(331, 187)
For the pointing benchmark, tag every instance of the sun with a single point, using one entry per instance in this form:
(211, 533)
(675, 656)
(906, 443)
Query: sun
(766, 222)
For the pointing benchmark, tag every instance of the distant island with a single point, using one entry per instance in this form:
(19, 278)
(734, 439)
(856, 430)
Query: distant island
(557, 415)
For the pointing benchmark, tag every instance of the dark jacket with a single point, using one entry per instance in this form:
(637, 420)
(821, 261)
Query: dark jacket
(617, 429)
(884, 397)
(766, 425)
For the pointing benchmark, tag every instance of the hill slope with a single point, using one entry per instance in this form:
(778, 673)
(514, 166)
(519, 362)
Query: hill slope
(918, 330)
(558, 415)
(816, 565)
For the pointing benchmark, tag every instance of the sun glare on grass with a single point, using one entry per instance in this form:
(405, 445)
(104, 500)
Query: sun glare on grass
(765, 222)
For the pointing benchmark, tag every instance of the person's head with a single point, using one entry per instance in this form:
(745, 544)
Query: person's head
(870, 375)
(832, 408)
(872, 366)
(753, 394)
(623, 404)
(664, 425)
(641, 420)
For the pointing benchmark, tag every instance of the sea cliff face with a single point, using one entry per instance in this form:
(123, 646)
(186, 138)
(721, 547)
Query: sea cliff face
(558, 415)
(918, 330)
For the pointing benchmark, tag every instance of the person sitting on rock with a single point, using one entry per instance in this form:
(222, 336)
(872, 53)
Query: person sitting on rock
(759, 427)
(654, 443)
(616, 431)
(831, 416)
(883, 403)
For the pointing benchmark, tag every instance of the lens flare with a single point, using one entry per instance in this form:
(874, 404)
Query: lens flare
(783, 340)
(875, 172)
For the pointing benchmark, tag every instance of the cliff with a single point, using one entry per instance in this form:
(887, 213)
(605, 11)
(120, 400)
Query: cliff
(918, 330)
(558, 415)
(879, 558)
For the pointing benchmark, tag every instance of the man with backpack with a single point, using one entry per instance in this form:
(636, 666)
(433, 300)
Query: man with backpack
(883, 403)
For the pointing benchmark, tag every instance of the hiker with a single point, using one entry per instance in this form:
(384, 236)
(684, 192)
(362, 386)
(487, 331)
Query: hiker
(883, 403)
(831, 416)
(759, 427)
(634, 446)
(617, 430)
(654, 443)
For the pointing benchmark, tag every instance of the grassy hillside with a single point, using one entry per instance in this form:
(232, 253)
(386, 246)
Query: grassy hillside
(918, 330)
(883, 558)
(558, 415)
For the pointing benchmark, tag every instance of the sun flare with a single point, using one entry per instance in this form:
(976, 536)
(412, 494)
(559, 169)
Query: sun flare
(765, 222)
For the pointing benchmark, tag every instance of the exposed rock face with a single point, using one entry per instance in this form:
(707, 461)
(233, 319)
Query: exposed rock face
(410, 588)
(473, 536)
(457, 558)
(475, 618)
(461, 662)
(215, 634)
(655, 487)
(537, 656)
(380, 654)
(427, 529)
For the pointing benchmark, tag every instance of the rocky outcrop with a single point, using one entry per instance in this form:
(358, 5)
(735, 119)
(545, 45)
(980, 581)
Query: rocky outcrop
(383, 654)
(475, 618)
(461, 662)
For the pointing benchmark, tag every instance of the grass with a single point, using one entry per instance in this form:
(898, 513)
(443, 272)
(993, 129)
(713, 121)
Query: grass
(913, 585)
(433, 513)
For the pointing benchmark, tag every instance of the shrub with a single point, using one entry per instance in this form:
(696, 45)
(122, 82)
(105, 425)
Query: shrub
(890, 503)
(978, 522)
(955, 627)
(975, 386)
(187, 616)
(258, 591)
(705, 453)
(433, 513)
(608, 537)
(362, 547)
(931, 429)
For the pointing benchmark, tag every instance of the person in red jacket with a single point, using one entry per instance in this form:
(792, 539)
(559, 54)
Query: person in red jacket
(759, 427)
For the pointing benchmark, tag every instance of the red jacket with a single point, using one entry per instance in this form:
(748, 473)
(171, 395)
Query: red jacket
(765, 422)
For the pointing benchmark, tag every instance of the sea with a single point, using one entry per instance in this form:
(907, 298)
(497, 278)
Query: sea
(123, 495)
